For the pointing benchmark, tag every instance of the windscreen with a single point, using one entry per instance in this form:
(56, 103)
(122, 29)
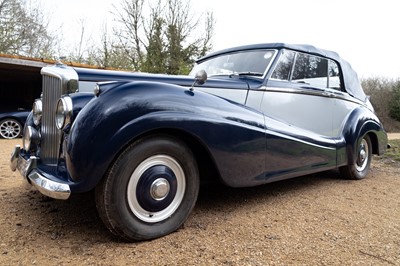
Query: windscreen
(253, 61)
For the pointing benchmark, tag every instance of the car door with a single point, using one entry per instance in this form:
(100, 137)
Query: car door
(298, 94)
(299, 109)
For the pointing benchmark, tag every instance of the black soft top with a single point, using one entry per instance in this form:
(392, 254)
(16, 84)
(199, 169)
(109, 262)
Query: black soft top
(350, 78)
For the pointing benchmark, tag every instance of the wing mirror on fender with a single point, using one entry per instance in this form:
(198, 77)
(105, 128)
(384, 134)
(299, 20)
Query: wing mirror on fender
(200, 78)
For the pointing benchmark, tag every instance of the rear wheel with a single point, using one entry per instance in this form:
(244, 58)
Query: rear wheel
(360, 168)
(150, 190)
(10, 128)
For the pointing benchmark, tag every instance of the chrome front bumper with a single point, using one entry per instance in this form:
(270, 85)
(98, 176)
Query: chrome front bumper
(28, 169)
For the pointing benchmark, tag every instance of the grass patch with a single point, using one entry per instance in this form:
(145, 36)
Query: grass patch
(394, 152)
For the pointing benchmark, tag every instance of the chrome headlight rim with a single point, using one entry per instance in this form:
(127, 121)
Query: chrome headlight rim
(30, 139)
(63, 112)
(37, 110)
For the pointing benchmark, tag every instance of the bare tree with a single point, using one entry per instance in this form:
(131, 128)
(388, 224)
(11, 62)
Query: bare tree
(85, 49)
(130, 16)
(110, 54)
(162, 37)
(23, 30)
(206, 39)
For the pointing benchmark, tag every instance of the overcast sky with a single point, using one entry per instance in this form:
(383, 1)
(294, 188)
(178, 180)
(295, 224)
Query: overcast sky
(365, 33)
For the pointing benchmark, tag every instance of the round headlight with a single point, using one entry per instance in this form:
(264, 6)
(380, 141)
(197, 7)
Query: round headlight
(63, 112)
(37, 111)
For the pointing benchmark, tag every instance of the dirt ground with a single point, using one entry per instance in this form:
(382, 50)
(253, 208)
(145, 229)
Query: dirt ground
(313, 220)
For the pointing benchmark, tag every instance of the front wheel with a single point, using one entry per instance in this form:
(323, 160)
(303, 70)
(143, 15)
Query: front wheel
(360, 168)
(150, 190)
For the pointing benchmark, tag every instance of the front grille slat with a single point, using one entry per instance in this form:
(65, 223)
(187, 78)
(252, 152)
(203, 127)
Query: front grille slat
(51, 136)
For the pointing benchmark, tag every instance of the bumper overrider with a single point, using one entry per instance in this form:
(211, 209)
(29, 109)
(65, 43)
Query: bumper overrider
(44, 182)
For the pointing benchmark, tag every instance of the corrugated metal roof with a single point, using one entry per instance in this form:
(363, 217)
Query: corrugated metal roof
(24, 61)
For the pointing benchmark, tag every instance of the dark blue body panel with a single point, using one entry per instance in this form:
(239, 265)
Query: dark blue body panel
(360, 121)
(292, 151)
(234, 135)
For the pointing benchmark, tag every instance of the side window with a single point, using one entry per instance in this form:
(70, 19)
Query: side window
(334, 75)
(310, 69)
(284, 66)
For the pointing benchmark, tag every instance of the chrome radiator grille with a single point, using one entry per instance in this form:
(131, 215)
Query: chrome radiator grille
(51, 136)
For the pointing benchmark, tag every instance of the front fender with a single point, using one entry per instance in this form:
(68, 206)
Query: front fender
(80, 100)
(360, 121)
(120, 115)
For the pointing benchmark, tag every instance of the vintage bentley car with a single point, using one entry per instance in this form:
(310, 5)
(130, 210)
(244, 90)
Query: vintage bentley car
(245, 116)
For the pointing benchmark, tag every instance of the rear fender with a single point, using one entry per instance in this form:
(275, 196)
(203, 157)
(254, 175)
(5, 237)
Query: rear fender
(361, 121)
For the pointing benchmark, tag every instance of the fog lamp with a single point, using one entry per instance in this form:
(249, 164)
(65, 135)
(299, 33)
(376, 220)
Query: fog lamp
(37, 111)
(31, 139)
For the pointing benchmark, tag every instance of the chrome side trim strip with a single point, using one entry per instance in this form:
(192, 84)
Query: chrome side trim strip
(317, 92)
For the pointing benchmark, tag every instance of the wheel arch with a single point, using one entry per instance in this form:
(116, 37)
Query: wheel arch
(359, 123)
(207, 168)
(374, 141)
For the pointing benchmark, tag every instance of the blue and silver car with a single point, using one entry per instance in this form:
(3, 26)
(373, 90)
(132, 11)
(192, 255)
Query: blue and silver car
(245, 116)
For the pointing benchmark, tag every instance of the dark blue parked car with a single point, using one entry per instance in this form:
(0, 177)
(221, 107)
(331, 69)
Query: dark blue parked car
(144, 142)
(12, 123)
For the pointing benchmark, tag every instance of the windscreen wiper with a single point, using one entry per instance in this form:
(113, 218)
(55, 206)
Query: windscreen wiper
(249, 73)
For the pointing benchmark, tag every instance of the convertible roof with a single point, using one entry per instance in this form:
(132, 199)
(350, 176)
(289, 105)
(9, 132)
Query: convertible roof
(350, 78)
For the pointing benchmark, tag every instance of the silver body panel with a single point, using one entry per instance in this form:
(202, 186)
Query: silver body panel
(322, 111)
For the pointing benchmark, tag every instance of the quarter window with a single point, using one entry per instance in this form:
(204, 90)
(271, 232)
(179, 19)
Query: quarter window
(308, 69)
(334, 75)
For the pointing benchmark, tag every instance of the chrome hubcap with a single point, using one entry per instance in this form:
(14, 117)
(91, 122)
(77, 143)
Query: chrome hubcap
(362, 158)
(362, 155)
(159, 189)
(156, 188)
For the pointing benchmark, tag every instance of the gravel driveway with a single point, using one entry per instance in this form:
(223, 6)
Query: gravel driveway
(313, 220)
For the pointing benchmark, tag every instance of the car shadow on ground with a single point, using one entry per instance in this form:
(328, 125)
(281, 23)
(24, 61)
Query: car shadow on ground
(76, 219)
(219, 194)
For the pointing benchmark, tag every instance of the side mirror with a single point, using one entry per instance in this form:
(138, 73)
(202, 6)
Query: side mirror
(200, 78)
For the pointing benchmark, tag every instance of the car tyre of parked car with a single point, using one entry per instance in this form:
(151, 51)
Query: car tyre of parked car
(10, 128)
(150, 189)
(359, 169)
